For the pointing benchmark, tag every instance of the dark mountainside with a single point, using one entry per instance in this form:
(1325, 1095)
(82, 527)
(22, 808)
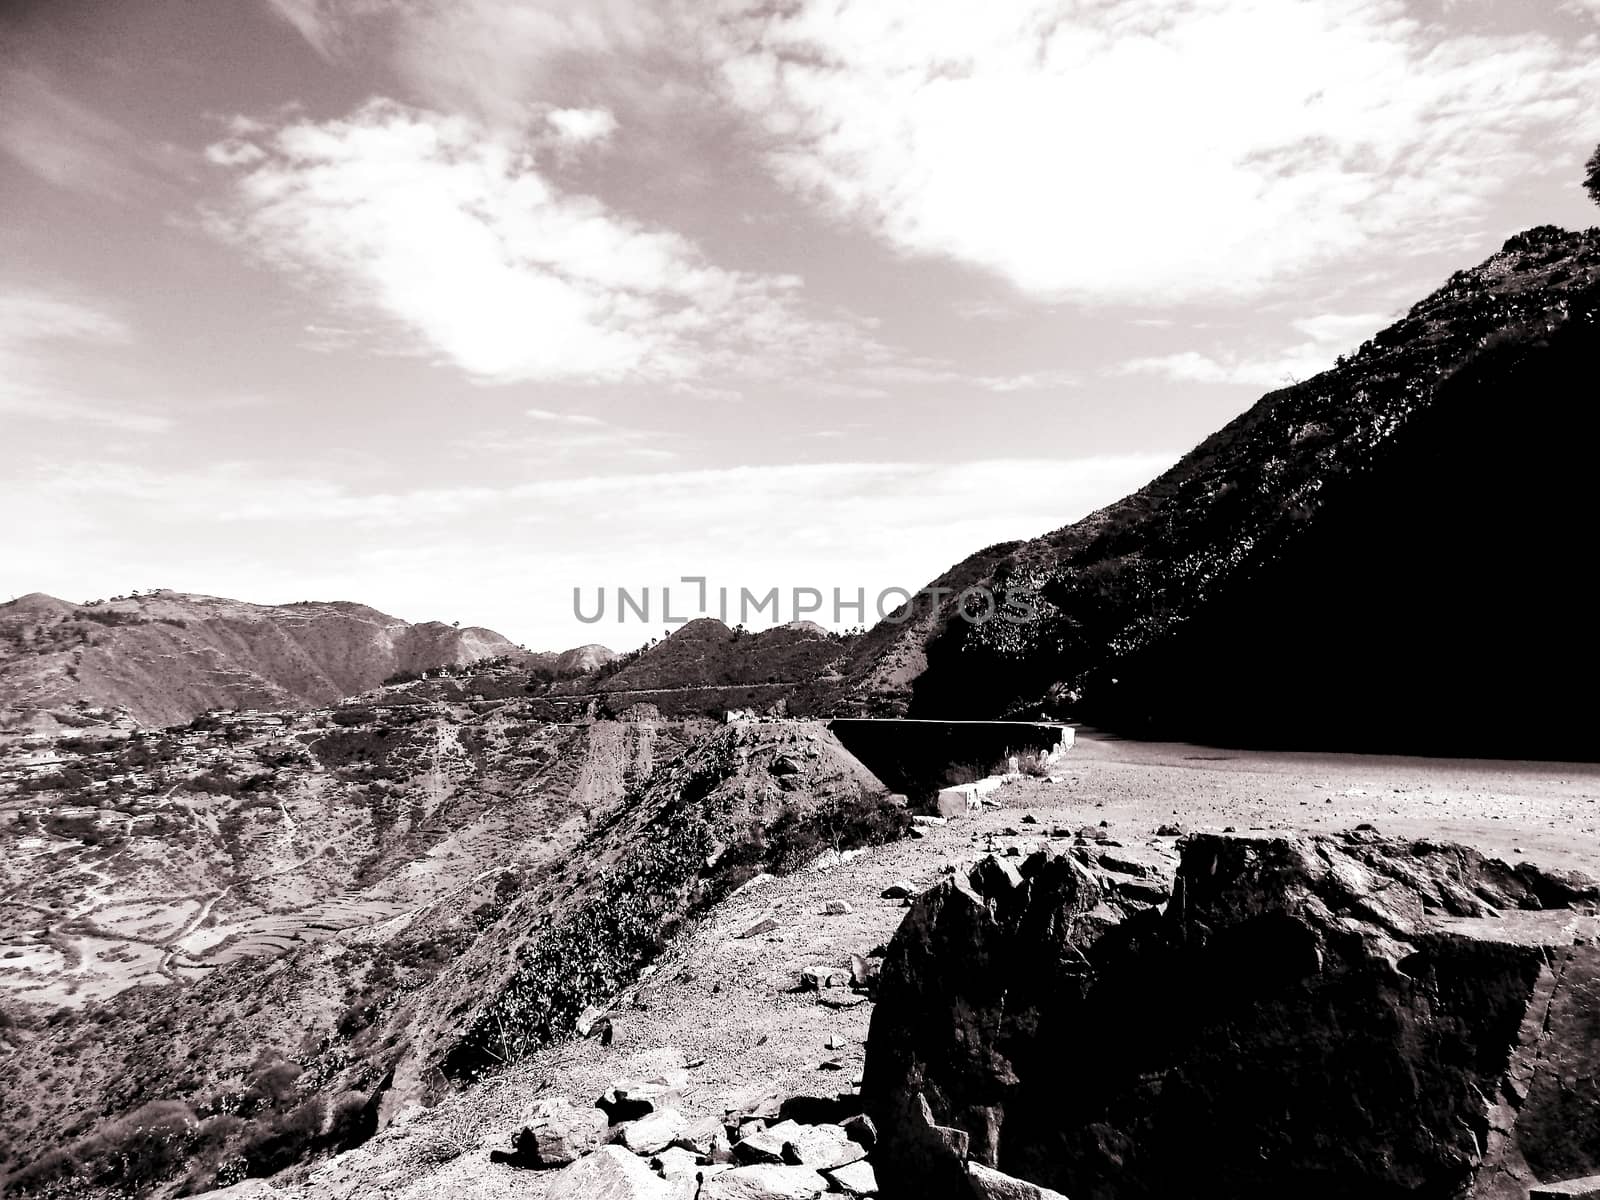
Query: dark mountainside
(1407, 528)
(166, 657)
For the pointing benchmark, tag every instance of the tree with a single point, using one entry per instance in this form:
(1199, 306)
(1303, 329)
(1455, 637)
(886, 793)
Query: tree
(1591, 181)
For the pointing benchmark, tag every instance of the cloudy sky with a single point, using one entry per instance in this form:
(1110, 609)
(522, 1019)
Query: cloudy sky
(450, 306)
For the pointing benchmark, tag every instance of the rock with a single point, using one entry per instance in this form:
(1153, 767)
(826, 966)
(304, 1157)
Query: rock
(1143, 891)
(994, 877)
(1587, 1188)
(860, 1130)
(765, 1145)
(556, 1133)
(765, 1181)
(853, 1179)
(837, 908)
(1169, 830)
(814, 979)
(863, 971)
(837, 998)
(764, 925)
(922, 820)
(588, 1019)
(820, 1147)
(610, 1173)
(784, 765)
(1329, 1016)
(684, 1170)
(630, 1099)
(705, 1137)
(989, 1184)
(899, 890)
(653, 1133)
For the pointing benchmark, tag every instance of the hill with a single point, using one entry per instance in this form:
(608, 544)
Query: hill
(267, 934)
(1404, 529)
(705, 667)
(166, 657)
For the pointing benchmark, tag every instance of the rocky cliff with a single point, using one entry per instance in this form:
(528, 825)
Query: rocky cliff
(1310, 1016)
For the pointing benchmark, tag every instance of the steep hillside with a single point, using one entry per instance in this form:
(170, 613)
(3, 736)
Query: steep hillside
(1406, 529)
(330, 918)
(166, 656)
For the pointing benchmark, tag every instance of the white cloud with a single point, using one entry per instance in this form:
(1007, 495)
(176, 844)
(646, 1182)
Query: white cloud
(41, 332)
(1151, 152)
(500, 61)
(582, 126)
(850, 525)
(456, 235)
(70, 145)
(544, 414)
(1330, 334)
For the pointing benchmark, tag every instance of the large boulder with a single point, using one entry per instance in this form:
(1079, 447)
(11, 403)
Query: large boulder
(1322, 1017)
(610, 1173)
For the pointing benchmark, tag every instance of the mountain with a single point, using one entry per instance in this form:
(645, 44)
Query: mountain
(713, 667)
(1388, 556)
(581, 660)
(166, 656)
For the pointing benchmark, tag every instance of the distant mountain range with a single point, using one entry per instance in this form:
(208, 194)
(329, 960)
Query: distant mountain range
(167, 656)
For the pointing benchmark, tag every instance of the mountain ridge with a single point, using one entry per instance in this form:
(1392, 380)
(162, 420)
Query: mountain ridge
(1133, 600)
(165, 657)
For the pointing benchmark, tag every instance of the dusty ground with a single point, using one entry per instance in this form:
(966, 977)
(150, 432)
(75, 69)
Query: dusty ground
(729, 1004)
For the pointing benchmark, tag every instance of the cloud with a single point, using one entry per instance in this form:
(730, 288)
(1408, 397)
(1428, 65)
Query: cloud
(500, 61)
(1147, 152)
(582, 126)
(544, 414)
(70, 145)
(867, 525)
(457, 237)
(39, 333)
(564, 436)
(1330, 335)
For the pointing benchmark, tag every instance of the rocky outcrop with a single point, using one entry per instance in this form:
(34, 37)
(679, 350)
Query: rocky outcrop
(1322, 1017)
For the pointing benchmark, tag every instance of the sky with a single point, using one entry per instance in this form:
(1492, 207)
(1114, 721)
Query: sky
(453, 307)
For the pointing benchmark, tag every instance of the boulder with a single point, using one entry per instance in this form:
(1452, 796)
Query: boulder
(988, 1184)
(629, 1099)
(610, 1173)
(765, 1145)
(837, 908)
(765, 1182)
(861, 1130)
(814, 979)
(706, 1138)
(1322, 1016)
(556, 1133)
(654, 1132)
(853, 1179)
(820, 1147)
